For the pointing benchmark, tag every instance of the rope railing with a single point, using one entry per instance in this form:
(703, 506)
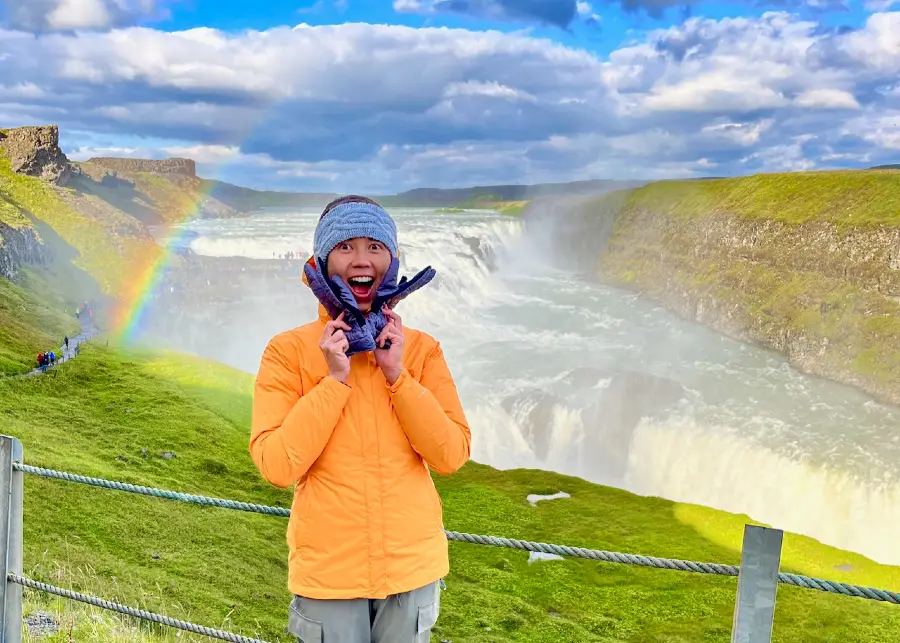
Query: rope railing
(796, 580)
(131, 611)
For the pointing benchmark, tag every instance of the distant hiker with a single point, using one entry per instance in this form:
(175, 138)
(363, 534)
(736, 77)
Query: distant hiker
(52, 358)
(67, 342)
(354, 409)
(40, 359)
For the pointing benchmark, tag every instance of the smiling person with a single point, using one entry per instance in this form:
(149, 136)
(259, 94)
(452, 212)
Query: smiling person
(356, 429)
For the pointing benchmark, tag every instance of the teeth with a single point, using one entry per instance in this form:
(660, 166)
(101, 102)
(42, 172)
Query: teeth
(362, 281)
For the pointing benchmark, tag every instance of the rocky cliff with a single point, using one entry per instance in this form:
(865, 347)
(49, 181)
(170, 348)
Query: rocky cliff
(178, 166)
(806, 264)
(34, 151)
(18, 246)
(94, 216)
(170, 185)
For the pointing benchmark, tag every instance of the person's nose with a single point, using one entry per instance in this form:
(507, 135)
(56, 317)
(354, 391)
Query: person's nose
(361, 259)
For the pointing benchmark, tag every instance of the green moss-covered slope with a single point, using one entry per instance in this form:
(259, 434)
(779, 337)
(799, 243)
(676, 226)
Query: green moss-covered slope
(106, 239)
(842, 198)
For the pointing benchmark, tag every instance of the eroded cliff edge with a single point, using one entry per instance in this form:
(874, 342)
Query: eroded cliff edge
(807, 264)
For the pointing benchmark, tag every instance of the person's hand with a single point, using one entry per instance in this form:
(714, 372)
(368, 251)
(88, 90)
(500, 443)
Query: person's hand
(334, 345)
(390, 360)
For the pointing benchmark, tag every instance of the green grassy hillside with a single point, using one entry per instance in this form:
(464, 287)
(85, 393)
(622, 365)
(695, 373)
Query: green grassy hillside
(113, 414)
(33, 318)
(843, 198)
(102, 237)
(11, 214)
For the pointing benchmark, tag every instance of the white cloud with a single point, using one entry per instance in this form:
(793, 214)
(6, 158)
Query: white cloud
(743, 134)
(827, 99)
(880, 5)
(881, 130)
(79, 14)
(395, 107)
(490, 90)
(718, 91)
(877, 46)
(66, 15)
(411, 6)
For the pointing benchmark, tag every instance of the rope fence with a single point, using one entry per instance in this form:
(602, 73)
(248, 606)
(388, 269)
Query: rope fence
(805, 582)
(767, 552)
(131, 611)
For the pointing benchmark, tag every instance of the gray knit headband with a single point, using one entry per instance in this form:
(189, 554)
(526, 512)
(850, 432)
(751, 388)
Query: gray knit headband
(351, 220)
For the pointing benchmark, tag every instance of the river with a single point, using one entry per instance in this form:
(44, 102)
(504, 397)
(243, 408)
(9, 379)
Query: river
(560, 373)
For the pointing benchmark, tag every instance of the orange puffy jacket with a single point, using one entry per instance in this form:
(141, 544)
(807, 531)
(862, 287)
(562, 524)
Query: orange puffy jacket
(366, 520)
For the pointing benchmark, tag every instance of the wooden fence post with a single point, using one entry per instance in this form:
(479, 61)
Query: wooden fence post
(754, 611)
(11, 515)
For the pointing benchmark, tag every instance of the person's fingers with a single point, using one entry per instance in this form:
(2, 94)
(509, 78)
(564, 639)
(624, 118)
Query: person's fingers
(336, 324)
(394, 337)
(392, 316)
(391, 333)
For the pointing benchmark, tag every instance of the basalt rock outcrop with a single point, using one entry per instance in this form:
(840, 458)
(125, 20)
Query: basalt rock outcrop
(35, 151)
(177, 166)
(18, 246)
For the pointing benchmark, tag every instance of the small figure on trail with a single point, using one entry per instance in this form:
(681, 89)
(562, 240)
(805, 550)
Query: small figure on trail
(67, 342)
(52, 358)
(354, 409)
(40, 359)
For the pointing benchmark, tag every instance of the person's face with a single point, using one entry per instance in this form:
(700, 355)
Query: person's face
(361, 263)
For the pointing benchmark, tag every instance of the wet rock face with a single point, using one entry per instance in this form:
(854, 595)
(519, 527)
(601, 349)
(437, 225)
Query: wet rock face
(609, 424)
(533, 410)
(614, 403)
(35, 151)
(18, 246)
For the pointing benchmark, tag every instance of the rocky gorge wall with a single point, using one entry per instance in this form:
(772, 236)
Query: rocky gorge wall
(17, 246)
(813, 273)
(185, 167)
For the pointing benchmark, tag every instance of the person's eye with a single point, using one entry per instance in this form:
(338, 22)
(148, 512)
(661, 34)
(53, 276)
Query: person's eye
(377, 246)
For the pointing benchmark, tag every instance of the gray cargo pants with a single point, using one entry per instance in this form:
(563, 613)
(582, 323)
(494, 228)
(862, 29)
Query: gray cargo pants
(400, 618)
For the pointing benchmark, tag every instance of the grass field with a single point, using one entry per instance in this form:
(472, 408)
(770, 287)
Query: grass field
(845, 198)
(227, 568)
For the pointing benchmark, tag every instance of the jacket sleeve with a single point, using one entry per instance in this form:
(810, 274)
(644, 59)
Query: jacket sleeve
(289, 429)
(432, 416)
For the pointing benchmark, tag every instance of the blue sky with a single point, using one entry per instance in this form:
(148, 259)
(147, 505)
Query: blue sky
(387, 95)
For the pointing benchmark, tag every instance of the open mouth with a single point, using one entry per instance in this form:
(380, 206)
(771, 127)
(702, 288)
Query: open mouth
(361, 286)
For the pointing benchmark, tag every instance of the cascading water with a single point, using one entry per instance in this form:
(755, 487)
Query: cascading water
(560, 373)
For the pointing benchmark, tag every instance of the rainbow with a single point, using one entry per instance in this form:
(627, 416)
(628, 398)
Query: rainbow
(147, 271)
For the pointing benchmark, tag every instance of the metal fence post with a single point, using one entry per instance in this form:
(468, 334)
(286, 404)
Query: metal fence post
(754, 611)
(11, 516)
